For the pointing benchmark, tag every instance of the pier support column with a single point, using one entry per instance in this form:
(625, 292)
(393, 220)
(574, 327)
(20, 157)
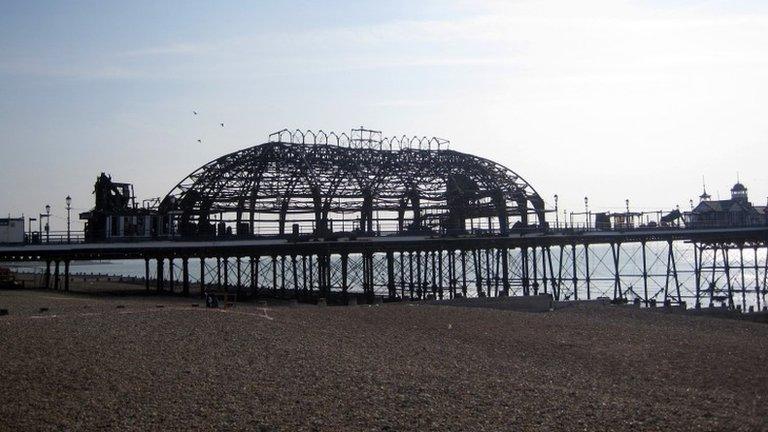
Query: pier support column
(616, 254)
(488, 272)
(560, 273)
(544, 254)
(757, 281)
(525, 273)
(451, 273)
(418, 276)
(218, 273)
(743, 278)
(368, 276)
(311, 271)
(505, 272)
(552, 281)
(391, 275)
(48, 274)
(56, 276)
(588, 273)
(185, 276)
(671, 271)
(463, 254)
(344, 283)
(697, 273)
(171, 278)
(66, 275)
(713, 283)
(254, 276)
(575, 275)
(496, 262)
(226, 273)
(425, 279)
(440, 281)
(295, 272)
(431, 261)
(411, 286)
(274, 275)
(535, 284)
(727, 260)
(160, 273)
(478, 259)
(402, 275)
(239, 279)
(146, 273)
(202, 276)
(645, 276)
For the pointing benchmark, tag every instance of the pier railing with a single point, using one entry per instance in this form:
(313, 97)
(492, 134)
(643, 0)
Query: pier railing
(54, 237)
(77, 237)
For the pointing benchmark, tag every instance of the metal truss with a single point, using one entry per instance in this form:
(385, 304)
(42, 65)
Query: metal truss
(343, 183)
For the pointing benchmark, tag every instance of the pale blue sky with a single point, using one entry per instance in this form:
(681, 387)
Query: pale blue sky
(611, 99)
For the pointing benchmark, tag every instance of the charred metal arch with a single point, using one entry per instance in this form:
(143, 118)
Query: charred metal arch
(289, 176)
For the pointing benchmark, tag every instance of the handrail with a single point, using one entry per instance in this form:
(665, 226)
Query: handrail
(59, 237)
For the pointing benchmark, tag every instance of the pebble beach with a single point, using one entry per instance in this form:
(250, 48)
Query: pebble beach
(144, 362)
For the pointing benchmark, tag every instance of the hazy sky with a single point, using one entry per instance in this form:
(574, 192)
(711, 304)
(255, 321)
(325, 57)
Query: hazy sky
(610, 99)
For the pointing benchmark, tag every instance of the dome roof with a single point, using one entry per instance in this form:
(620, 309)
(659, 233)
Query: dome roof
(738, 187)
(283, 178)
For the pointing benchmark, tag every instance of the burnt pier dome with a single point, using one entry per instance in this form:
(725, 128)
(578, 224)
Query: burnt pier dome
(303, 182)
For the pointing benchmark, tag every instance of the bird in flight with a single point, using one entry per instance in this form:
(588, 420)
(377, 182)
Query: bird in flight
(194, 112)
(200, 141)
(222, 124)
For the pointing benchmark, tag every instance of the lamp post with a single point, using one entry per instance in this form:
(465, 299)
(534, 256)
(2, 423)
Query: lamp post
(69, 208)
(557, 215)
(626, 221)
(586, 210)
(47, 223)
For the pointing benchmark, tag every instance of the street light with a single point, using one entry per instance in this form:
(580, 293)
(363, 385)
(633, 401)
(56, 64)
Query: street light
(557, 215)
(626, 221)
(586, 210)
(69, 208)
(47, 223)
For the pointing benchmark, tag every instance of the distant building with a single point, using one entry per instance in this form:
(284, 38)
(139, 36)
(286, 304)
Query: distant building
(737, 211)
(12, 230)
(116, 214)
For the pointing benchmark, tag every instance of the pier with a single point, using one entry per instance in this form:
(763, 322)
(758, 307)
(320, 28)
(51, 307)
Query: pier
(403, 219)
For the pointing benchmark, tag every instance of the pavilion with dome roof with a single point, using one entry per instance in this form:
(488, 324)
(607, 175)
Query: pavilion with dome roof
(736, 212)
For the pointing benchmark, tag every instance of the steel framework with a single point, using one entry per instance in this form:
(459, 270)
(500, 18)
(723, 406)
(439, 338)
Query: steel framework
(361, 182)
